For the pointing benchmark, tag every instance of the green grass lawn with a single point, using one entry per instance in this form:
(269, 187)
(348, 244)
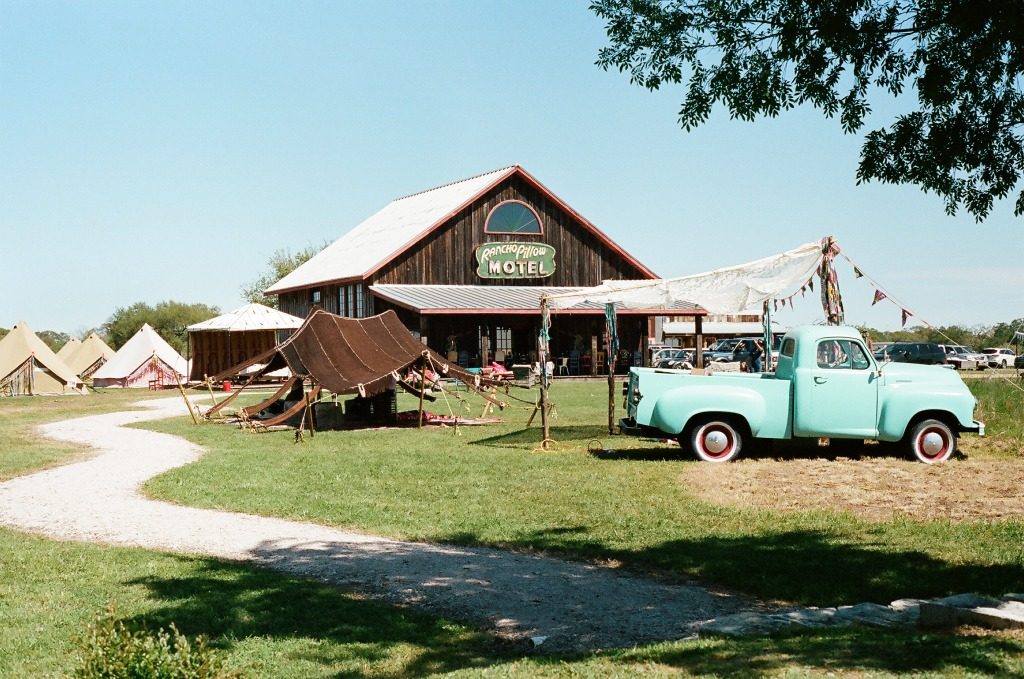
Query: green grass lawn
(489, 486)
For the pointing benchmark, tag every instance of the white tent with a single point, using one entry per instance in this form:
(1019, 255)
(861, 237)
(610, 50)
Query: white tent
(722, 291)
(144, 359)
(248, 318)
(28, 366)
(233, 338)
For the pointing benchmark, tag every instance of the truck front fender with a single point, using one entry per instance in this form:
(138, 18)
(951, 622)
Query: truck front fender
(676, 407)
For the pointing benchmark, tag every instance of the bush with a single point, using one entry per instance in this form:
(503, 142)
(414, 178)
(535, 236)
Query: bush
(112, 650)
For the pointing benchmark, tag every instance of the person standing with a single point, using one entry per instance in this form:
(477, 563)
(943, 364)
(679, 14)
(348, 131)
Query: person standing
(756, 356)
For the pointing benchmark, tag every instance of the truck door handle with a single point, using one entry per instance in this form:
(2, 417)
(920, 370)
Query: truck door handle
(820, 380)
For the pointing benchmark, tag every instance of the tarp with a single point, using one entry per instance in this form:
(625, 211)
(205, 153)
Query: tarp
(28, 366)
(730, 290)
(1018, 337)
(352, 355)
(144, 358)
(89, 356)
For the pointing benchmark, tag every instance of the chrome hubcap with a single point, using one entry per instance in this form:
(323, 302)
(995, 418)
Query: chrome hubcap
(932, 443)
(716, 442)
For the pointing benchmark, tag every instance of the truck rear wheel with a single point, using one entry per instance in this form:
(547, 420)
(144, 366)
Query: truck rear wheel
(714, 440)
(931, 441)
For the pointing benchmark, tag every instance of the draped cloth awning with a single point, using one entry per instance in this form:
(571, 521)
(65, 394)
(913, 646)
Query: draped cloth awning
(352, 355)
(730, 290)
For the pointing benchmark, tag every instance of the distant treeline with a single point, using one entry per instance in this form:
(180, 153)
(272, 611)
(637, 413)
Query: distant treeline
(169, 319)
(999, 335)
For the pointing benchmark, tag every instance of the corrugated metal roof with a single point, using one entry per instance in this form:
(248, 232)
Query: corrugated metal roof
(477, 298)
(385, 233)
(249, 317)
(719, 328)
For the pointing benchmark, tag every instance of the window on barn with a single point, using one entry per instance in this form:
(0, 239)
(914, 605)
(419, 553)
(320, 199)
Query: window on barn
(314, 297)
(513, 216)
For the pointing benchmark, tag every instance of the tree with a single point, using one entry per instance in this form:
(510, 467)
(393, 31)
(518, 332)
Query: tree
(280, 264)
(53, 338)
(168, 319)
(964, 58)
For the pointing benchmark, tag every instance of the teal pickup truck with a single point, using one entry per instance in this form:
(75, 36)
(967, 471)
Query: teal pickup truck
(827, 385)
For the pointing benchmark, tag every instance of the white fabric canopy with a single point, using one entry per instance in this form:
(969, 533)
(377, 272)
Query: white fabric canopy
(730, 290)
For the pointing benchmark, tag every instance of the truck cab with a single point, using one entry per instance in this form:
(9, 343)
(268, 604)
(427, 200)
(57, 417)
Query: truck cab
(827, 385)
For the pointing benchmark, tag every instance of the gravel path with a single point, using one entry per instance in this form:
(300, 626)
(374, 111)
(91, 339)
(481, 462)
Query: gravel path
(576, 606)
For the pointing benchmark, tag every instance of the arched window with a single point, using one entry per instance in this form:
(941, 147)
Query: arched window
(513, 216)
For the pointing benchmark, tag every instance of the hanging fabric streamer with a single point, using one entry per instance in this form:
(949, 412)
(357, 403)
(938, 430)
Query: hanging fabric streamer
(831, 300)
(879, 296)
(612, 332)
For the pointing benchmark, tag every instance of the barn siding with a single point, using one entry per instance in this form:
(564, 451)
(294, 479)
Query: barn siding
(446, 256)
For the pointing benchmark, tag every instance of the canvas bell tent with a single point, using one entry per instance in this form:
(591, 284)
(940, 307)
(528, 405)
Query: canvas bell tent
(144, 360)
(91, 353)
(237, 336)
(29, 367)
(70, 347)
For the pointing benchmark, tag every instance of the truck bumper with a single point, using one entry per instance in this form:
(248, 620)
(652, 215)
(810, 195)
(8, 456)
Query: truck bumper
(629, 427)
(978, 427)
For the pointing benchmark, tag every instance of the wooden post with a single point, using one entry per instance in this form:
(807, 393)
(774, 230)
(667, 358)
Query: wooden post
(309, 413)
(209, 388)
(542, 356)
(611, 395)
(698, 329)
(423, 387)
(610, 358)
(188, 405)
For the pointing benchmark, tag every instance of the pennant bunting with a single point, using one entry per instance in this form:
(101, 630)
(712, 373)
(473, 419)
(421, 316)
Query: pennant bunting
(858, 273)
(879, 296)
(906, 315)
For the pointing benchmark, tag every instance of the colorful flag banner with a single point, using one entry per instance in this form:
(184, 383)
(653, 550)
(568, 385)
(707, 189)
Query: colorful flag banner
(879, 296)
(906, 315)
(858, 273)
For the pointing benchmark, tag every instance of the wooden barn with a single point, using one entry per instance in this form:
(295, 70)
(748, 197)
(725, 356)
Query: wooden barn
(464, 266)
(232, 338)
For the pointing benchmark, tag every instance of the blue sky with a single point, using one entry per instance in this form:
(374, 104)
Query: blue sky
(163, 151)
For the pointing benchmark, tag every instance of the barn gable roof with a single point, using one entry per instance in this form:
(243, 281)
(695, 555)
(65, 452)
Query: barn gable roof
(404, 221)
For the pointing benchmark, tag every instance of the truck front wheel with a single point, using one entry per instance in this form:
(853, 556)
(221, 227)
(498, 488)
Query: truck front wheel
(931, 441)
(714, 440)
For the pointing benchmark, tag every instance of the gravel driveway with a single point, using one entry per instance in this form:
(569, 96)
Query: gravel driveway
(576, 606)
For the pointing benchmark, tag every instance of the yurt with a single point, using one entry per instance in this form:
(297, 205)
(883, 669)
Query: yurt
(144, 360)
(235, 337)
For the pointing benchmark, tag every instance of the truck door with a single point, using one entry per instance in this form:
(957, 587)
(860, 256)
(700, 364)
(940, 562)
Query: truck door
(838, 394)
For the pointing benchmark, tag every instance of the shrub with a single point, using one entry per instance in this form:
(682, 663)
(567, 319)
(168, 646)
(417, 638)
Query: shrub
(110, 649)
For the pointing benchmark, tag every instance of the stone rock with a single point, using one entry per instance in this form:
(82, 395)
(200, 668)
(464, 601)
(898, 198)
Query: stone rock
(934, 615)
(873, 615)
(1008, 616)
(967, 601)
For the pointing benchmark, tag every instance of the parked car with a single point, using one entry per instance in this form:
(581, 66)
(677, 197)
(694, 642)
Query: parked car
(1019, 361)
(999, 357)
(924, 353)
(671, 358)
(739, 349)
(964, 358)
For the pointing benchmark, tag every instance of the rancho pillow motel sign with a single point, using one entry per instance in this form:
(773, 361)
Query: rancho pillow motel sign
(515, 260)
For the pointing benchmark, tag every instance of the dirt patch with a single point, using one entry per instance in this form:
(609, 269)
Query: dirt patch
(875, 489)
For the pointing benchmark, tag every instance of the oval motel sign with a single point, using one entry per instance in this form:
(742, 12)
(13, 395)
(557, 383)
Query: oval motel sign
(515, 260)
